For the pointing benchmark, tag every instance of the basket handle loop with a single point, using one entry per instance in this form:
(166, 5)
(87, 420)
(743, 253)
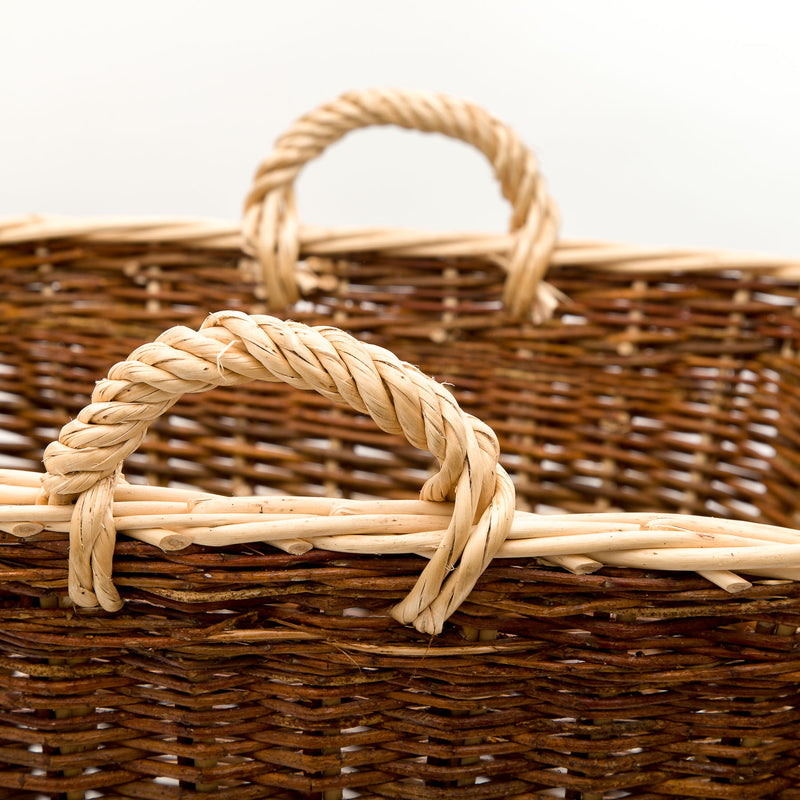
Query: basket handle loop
(271, 227)
(234, 348)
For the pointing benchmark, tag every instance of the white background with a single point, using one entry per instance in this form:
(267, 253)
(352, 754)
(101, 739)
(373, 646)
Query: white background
(654, 122)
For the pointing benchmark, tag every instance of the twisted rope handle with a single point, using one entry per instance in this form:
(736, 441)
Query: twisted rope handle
(233, 348)
(271, 227)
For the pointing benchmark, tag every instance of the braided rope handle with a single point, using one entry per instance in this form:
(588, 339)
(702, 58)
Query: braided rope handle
(271, 226)
(234, 348)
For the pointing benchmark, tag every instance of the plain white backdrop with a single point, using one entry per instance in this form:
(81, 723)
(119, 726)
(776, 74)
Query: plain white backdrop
(654, 122)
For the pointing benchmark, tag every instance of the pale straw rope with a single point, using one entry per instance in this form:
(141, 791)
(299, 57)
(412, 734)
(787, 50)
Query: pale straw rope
(233, 348)
(271, 223)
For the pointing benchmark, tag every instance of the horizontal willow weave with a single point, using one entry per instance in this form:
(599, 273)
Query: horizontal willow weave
(617, 379)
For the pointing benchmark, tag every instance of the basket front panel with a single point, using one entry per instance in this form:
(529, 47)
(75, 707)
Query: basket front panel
(255, 674)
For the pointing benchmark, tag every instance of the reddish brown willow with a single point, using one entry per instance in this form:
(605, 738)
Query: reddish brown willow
(632, 381)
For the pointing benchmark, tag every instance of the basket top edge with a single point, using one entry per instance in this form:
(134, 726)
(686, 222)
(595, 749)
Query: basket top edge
(216, 234)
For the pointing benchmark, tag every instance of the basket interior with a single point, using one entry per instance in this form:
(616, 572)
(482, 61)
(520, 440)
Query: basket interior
(664, 392)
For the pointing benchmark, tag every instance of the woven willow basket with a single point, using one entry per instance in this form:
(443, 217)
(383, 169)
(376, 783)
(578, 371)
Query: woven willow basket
(287, 617)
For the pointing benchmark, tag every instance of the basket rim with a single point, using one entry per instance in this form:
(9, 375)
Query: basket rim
(320, 241)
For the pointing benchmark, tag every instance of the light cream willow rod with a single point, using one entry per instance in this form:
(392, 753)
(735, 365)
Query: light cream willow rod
(338, 242)
(173, 519)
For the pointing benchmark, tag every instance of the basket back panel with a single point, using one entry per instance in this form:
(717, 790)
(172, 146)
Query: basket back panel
(670, 392)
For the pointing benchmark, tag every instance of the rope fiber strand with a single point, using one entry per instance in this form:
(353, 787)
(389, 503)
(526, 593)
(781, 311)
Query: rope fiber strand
(234, 348)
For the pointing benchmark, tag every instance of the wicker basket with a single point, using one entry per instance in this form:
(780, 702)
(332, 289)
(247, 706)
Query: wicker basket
(287, 617)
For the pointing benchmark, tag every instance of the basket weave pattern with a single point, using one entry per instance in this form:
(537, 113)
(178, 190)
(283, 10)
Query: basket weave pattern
(633, 380)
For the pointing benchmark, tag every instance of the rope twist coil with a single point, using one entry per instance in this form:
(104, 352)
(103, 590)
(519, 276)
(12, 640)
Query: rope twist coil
(233, 348)
(271, 225)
